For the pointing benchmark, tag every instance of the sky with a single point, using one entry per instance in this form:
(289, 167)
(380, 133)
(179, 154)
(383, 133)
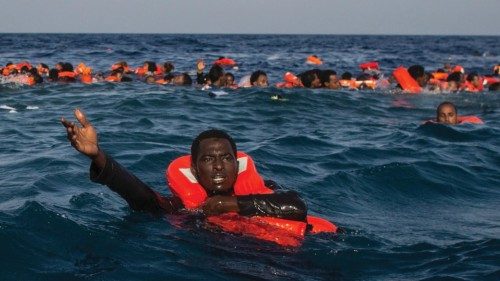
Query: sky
(392, 17)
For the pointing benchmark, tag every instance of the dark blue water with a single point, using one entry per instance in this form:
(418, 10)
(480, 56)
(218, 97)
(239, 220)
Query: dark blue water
(417, 202)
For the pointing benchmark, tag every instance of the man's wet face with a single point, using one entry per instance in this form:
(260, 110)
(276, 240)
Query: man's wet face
(216, 166)
(447, 115)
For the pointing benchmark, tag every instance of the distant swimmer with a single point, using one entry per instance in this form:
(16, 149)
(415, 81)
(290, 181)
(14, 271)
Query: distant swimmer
(215, 179)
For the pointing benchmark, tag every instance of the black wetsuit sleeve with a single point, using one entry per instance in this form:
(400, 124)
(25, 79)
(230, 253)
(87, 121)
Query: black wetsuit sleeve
(138, 195)
(286, 205)
(200, 78)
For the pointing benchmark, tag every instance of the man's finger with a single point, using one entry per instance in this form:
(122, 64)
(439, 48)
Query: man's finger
(65, 122)
(80, 116)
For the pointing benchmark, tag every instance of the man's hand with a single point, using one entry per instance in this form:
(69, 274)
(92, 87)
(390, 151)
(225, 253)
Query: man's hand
(84, 138)
(200, 66)
(219, 204)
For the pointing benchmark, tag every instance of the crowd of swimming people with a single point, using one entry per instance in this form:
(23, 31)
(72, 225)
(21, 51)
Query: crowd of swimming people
(414, 79)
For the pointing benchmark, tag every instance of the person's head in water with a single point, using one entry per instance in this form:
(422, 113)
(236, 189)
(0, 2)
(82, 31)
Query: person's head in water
(229, 79)
(329, 79)
(214, 162)
(310, 78)
(216, 76)
(259, 79)
(446, 113)
(182, 79)
(417, 72)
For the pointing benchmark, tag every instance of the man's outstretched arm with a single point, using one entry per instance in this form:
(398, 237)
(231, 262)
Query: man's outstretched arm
(107, 171)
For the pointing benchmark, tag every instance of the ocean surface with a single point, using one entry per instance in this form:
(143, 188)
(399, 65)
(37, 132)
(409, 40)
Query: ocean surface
(416, 202)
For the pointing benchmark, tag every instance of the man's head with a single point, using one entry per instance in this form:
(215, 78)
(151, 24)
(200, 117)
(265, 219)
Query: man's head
(417, 72)
(229, 81)
(329, 79)
(259, 79)
(182, 79)
(474, 79)
(214, 161)
(447, 113)
(310, 78)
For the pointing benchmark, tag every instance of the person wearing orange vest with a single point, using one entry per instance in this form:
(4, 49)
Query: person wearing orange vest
(212, 169)
(447, 113)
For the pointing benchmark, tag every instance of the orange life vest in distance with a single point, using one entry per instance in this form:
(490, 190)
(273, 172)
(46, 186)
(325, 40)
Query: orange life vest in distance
(488, 80)
(68, 74)
(22, 64)
(113, 78)
(184, 185)
(348, 83)
(225, 62)
(314, 60)
(371, 65)
(141, 71)
(467, 86)
(86, 78)
(371, 84)
(442, 76)
(407, 83)
(290, 81)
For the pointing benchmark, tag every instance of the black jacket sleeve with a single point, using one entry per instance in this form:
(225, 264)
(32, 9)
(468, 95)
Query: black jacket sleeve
(200, 78)
(286, 205)
(138, 195)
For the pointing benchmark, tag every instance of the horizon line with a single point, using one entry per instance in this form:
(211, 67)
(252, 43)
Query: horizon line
(279, 34)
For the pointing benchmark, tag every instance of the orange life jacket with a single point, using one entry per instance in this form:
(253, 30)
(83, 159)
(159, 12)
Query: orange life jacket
(290, 81)
(471, 119)
(141, 71)
(68, 74)
(462, 119)
(113, 78)
(314, 60)
(184, 185)
(6, 71)
(488, 80)
(21, 64)
(86, 78)
(348, 83)
(225, 62)
(31, 81)
(442, 76)
(407, 83)
(371, 84)
(369, 65)
(467, 86)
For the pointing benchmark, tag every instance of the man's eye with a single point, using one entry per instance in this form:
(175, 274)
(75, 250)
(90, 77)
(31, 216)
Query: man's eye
(207, 159)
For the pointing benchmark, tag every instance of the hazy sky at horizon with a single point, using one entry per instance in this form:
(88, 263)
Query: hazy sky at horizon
(424, 17)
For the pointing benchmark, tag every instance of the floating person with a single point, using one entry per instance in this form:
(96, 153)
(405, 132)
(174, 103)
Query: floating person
(214, 179)
(447, 113)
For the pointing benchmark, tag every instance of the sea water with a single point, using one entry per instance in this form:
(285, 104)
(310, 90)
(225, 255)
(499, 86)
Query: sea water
(416, 202)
